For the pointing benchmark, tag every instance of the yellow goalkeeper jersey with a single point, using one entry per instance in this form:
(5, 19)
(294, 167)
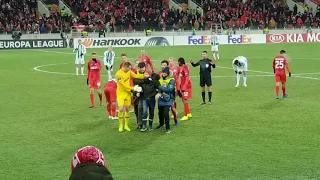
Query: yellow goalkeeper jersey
(123, 82)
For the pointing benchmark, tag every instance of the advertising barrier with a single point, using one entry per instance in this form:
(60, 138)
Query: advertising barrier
(244, 39)
(293, 38)
(124, 41)
(32, 44)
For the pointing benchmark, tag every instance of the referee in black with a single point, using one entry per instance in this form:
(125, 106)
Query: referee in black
(205, 75)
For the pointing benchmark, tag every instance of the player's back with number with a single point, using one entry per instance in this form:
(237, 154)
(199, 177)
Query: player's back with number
(279, 64)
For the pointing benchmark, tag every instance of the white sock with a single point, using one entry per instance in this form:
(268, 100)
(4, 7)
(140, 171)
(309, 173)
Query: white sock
(77, 69)
(238, 79)
(109, 75)
(218, 56)
(244, 79)
(82, 70)
(214, 56)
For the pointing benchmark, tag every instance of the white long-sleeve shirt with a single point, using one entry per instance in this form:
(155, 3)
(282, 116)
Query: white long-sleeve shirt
(242, 60)
(80, 49)
(108, 58)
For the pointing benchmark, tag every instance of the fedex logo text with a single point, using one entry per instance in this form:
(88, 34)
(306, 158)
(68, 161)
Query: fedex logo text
(196, 40)
(242, 39)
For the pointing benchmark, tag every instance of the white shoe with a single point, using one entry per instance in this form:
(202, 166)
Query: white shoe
(114, 118)
(245, 85)
(110, 117)
(82, 74)
(131, 111)
(236, 85)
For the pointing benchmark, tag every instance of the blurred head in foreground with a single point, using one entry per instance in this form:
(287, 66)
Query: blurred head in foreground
(88, 163)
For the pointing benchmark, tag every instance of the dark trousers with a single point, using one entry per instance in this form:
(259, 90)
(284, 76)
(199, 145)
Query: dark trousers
(148, 104)
(164, 116)
(138, 111)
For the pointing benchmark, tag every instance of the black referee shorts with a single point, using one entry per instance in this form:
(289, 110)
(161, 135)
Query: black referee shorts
(205, 80)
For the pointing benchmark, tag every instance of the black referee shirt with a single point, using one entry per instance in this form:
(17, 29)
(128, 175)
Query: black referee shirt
(205, 66)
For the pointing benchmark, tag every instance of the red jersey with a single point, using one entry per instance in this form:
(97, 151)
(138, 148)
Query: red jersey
(176, 74)
(185, 78)
(94, 70)
(280, 64)
(147, 61)
(121, 64)
(111, 84)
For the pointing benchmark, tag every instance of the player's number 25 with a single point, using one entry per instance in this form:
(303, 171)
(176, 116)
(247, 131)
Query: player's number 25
(279, 64)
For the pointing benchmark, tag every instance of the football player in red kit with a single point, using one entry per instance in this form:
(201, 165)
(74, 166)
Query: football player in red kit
(185, 92)
(124, 59)
(146, 59)
(110, 92)
(176, 74)
(280, 64)
(93, 80)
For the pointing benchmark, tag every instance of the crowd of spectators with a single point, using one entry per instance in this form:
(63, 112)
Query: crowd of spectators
(130, 15)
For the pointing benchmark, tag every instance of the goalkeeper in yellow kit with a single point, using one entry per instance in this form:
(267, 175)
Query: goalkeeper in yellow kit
(124, 93)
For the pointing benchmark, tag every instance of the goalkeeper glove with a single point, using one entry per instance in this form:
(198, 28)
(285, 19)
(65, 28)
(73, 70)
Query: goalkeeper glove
(87, 81)
(289, 74)
(137, 88)
(81, 54)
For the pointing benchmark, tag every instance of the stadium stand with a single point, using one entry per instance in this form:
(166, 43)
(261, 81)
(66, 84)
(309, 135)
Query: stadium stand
(138, 15)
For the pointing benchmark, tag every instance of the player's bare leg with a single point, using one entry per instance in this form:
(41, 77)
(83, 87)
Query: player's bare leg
(187, 113)
(100, 96)
(203, 94)
(244, 78)
(109, 109)
(285, 95)
(120, 117)
(77, 69)
(209, 93)
(277, 89)
(113, 108)
(91, 91)
(216, 56)
(82, 69)
(238, 79)
(126, 119)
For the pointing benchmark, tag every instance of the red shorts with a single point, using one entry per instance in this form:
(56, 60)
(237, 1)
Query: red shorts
(111, 94)
(186, 95)
(281, 78)
(94, 84)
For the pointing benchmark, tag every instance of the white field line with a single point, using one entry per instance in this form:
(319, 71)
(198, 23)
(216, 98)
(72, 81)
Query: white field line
(262, 72)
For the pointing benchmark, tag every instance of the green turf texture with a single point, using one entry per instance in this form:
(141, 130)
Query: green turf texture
(244, 134)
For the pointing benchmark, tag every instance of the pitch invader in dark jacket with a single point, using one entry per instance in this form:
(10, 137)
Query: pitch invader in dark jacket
(165, 98)
(145, 100)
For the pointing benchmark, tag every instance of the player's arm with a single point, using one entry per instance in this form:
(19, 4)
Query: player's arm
(195, 64)
(169, 88)
(234, 66)
(274, 66)
(287, 67)
(105, 58)
(176, 79)
(138, 81)
(136, 76)
(121, 81)
(112, 59)
(84, 50)
(99, 65)
(151, 65)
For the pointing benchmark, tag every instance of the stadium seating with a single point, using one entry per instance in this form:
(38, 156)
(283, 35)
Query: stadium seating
(130, 15)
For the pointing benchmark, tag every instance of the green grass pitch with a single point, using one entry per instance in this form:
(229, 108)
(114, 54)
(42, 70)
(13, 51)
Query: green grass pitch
(244, 134)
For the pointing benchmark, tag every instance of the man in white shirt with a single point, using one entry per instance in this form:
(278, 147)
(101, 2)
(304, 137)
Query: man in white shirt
(240, 65)
(108, 61)
(80, 51)
(214, 46)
